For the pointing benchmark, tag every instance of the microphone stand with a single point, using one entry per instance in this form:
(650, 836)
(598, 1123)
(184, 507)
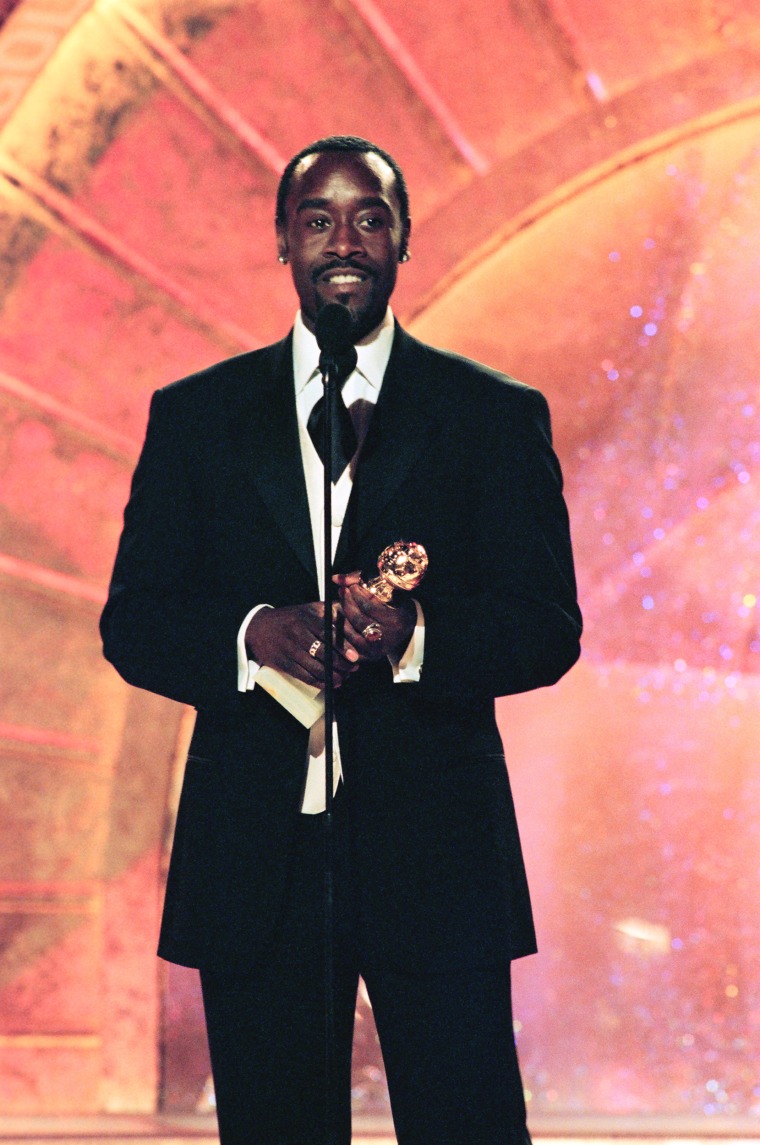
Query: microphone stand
(328, 367)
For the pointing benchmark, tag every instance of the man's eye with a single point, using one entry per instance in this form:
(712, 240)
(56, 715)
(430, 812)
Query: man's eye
(318, 224)
(373, 222)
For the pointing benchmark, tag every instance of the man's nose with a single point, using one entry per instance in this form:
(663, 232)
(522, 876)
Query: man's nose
(346, 240)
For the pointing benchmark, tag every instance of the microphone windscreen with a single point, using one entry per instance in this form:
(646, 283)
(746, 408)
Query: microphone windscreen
(334, 329)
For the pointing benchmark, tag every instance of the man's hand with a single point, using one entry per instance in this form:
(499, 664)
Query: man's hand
(393, 626)
(282, 638)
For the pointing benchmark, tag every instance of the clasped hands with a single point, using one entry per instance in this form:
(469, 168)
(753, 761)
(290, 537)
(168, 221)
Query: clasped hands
(290, 638)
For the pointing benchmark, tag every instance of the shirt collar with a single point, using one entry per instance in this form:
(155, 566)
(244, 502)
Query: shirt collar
(373, 352)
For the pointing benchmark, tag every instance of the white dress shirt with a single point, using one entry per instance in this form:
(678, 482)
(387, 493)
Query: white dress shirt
(360, 393)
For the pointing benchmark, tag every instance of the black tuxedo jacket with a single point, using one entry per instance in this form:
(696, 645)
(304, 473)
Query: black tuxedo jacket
(457, 457)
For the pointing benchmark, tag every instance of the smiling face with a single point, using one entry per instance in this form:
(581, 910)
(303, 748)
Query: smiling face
(343, 235)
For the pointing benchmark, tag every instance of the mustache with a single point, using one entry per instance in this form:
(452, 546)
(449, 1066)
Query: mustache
(340, 264)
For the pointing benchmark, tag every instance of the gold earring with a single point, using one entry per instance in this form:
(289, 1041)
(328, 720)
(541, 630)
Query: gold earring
(404, 256)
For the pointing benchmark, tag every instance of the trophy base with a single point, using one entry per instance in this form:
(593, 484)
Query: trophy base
(380, 588)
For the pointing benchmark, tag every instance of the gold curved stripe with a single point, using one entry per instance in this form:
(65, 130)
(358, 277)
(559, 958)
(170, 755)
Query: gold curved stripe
(579, 184)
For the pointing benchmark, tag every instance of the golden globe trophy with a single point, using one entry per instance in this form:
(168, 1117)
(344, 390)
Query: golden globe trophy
(402, 565)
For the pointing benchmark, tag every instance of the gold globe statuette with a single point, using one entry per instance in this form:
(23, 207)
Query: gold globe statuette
(402, 565)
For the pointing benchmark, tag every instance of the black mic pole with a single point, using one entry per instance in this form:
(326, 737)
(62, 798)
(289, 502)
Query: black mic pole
(328, 377)
(333, 331)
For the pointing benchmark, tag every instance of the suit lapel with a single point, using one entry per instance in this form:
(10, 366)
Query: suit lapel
(404, 421)
(264, 427)
(264, 430)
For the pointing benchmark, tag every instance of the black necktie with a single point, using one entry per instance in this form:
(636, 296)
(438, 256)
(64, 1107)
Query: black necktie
(343, 433)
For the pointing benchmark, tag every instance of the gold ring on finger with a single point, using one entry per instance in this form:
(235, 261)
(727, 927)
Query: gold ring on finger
(373, 632)
(315, 648)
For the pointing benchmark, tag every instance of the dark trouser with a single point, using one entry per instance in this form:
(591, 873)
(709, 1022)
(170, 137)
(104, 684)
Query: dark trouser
(446, 1039)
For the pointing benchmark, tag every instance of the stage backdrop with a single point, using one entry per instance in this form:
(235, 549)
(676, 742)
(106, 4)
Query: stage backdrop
(585, 180)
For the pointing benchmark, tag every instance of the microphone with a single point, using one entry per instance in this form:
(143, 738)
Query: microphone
(334, 333)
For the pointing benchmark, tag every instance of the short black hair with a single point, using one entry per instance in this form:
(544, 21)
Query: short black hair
(348, 143)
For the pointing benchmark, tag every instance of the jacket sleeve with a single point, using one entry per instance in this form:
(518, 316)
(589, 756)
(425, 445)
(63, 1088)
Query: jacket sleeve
(516, 624)
(160, 631)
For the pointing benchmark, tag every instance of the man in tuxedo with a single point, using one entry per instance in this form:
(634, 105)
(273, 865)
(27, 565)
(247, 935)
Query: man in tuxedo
(218, 575)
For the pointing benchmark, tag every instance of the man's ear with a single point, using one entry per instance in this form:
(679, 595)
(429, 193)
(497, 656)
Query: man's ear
(406, 230)
(282, 244)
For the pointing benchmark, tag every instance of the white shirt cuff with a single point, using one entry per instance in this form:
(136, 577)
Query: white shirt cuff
(247, 668)
(407, 669)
